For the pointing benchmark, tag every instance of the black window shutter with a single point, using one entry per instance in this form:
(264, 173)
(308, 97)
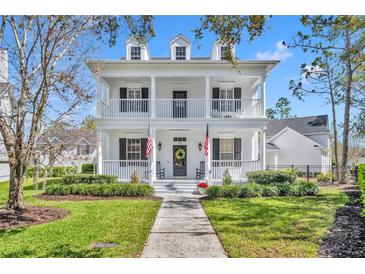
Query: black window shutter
(123, 95)
(215, 149)
(237, 148)
(143, 148)
(144, 106)
(122, 149)
(215, 95)
(237, 95)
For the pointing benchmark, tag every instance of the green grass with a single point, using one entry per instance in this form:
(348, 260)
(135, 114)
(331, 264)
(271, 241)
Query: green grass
(126, 222)
(274, 227)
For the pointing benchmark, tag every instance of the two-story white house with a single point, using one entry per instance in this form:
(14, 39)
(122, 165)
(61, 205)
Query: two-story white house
(179, 96)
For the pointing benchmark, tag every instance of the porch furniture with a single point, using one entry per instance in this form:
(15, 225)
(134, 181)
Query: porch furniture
(160, 172)
(200, 172)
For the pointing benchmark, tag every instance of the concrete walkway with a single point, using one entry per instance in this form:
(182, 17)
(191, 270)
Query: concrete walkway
(182, 230)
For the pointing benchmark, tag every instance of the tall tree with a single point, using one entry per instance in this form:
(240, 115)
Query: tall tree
(343, 38)
(282, 110)
(46, 55)
(89, 122)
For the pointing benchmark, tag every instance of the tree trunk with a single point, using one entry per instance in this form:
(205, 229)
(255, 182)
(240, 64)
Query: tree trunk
(16, 200)
(45, 178)
(346, 119)
(35, 176)
(335, 143)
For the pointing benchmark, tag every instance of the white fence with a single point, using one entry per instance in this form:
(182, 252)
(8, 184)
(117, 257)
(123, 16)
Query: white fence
(180, 108)
(124, 169)
(125, 108)
(236, 168)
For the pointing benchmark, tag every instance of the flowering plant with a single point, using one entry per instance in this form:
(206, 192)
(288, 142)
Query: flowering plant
(203, 185)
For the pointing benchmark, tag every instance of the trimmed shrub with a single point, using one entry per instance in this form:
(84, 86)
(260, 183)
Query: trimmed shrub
(88, 168)
(214, 192)
(230, 191)
(270, 191)
(284, 189)
(304, 188)
(266, 177)
(89, 179)
(324, 177)
(105, 190)
(227, 178)
(361, 182)
(250, 190)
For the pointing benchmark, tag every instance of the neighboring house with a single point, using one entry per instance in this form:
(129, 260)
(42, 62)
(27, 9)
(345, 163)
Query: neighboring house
(300, 142)
(4, 111)
(178, 96)
(68, 147)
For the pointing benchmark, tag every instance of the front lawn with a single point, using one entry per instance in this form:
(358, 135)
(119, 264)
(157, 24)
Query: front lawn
(126, 222)
(274, 227)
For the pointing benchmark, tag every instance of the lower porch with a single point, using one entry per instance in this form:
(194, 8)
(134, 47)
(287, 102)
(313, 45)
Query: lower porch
(178, 154)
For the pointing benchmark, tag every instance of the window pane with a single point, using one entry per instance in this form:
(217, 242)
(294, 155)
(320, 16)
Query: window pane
(223, 53)
(135, 53)
(134, 149)
(226, 149)
(180, 53)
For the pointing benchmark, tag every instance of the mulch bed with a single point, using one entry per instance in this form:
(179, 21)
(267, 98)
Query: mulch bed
(32, 215)
(346, 239)
(89, 198)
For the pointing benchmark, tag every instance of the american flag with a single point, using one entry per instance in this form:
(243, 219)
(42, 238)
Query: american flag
(149, 142)
(206, 143)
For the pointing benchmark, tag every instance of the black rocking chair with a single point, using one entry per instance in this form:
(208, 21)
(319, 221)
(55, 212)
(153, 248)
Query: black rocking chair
(200, 172)
(160, 172)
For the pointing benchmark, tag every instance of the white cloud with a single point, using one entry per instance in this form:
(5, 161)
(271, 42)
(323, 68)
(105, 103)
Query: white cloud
(281, 53)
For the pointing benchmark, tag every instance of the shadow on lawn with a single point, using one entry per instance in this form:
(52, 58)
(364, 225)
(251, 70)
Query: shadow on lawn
(60, 251)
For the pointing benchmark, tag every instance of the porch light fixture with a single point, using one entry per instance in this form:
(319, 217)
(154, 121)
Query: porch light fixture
(159, 146)
(200, 146)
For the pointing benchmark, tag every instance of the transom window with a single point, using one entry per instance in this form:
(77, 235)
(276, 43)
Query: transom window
(179, 139)
(134, 149)
(134, 93)
(226, 149)
(180, 53)
(135, 53)
(224, 53)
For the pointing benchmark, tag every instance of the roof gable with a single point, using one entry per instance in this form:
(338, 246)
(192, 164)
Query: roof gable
(287, 130)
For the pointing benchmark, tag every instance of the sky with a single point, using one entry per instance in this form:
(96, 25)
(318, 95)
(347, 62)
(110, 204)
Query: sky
(267, 46)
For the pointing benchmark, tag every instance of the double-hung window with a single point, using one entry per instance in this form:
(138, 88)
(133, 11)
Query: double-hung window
(180, 53)
(226, 95)
(224, 53)
(226, 149)
(133, 149)
(134, 94)
(135, 53)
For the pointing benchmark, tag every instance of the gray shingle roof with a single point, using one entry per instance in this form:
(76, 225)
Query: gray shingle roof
(304, 125)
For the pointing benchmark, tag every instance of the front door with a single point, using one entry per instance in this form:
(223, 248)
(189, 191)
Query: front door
(179, 156)
(179, 104)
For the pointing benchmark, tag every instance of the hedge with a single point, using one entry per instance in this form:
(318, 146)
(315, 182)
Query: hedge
(56, 171)
(249, 190)
(89, 179)
(88, 168)
(361, 182)
(266, 177)
(104, 190)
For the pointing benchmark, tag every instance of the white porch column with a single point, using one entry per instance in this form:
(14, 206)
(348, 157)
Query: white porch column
(263, 149)
(153, 96)
(263, 95)
(276, 160)
(99, 152)
(207, 97)
(153, 157)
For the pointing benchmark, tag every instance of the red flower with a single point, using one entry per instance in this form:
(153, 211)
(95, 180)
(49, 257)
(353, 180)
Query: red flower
(203, 185)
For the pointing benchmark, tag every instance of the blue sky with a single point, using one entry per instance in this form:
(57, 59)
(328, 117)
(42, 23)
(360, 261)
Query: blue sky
(279, 28)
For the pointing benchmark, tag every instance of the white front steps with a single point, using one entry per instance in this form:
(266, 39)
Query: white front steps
(175, 186)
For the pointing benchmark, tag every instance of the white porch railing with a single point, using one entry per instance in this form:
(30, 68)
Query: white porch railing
(124, 169)
(236, 108)
(125, 108)
(180, 108)
(237, 168)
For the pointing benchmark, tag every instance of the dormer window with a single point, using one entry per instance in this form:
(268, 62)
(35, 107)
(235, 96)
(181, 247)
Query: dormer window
(180, 53)
(135, 53)
(224, 53)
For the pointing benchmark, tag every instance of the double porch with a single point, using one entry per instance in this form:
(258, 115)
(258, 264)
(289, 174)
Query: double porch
(179, 153)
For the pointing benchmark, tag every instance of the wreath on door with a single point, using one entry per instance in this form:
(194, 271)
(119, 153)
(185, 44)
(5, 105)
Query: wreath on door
(180, 154)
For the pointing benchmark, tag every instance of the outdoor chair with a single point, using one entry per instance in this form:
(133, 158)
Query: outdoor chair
(160, 172)
(200, 172)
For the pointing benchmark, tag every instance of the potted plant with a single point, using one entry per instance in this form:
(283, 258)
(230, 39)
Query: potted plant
(202, 187)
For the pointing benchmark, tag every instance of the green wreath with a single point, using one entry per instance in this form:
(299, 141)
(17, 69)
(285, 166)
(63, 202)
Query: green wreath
(180, 154)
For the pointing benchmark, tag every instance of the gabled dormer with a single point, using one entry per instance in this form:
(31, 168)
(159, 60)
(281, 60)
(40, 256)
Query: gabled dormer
(220, 51)
(180, 48)
(136, 50)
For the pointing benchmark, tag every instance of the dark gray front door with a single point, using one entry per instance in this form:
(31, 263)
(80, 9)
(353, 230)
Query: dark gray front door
(179, 156)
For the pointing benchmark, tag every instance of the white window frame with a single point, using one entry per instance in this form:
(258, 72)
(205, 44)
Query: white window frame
(136, 53)
(225, 51)
(180, 55)
(137, 93)
(223, 149)
(134, 151)
(227, 100)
